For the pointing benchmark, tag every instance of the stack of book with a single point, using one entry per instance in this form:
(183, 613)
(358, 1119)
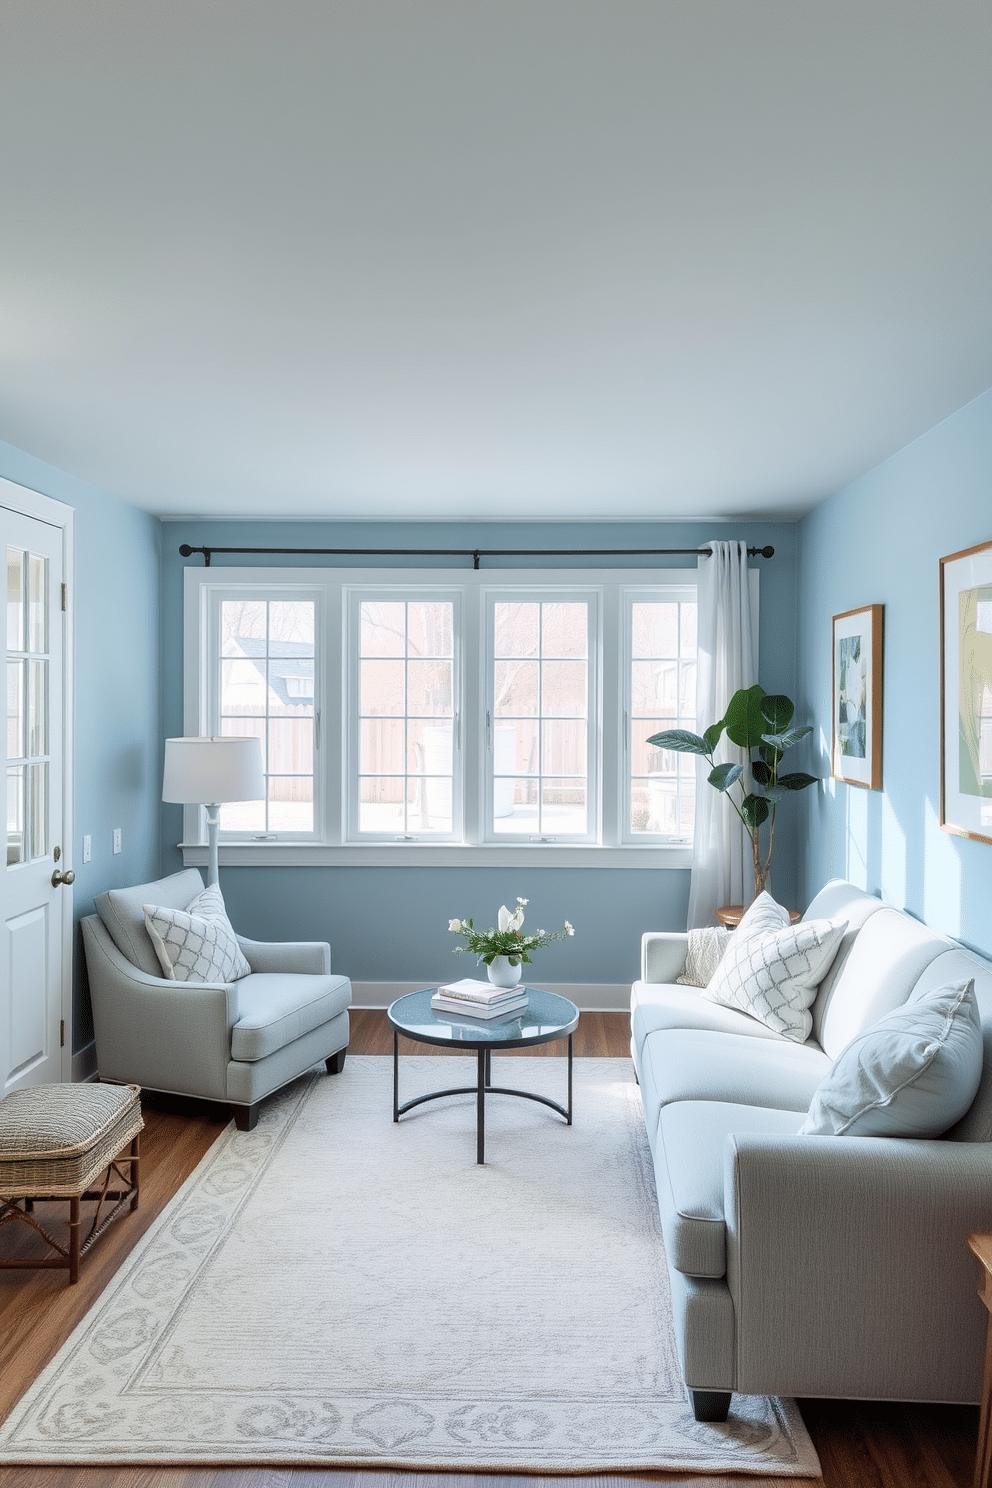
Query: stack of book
(479, 999)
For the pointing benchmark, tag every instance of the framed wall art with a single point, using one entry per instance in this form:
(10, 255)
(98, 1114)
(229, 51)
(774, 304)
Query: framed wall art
(856, 755)
(966, 693)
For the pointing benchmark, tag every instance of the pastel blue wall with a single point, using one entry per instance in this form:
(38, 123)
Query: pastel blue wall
(879, 542)
(118, 731)
(390, 924)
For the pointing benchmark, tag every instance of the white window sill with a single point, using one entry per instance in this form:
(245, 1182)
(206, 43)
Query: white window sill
(437, 855)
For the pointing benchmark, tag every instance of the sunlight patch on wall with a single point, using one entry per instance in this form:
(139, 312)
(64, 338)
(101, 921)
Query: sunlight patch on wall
(857, 837)
(941, 875)
(892, 867)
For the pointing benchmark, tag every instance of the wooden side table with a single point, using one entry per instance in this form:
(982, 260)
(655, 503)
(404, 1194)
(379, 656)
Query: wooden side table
(981, 1245)
(732, 914)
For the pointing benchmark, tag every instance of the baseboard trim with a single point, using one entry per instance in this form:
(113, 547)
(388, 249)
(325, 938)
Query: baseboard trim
(84, 1063)
(589, 997)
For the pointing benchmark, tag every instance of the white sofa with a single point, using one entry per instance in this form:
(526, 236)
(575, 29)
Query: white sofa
(812, 1265)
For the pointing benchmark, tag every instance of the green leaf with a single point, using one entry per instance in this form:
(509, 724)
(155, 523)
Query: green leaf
(797, 781)
(770, 755)
(785, 740)
(744, 721)
(777, 710)
(754, 810)
(681, 741)
(712, 734)
(724, 776)
(761, 773)
(774, 794)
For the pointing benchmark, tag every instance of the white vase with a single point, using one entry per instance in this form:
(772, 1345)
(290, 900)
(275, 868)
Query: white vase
(502, 973)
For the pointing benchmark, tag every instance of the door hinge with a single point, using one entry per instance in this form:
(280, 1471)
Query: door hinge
(65, 596)
(62, 1034)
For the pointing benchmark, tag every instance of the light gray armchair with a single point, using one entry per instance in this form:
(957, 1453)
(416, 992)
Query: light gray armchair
(235, 1042)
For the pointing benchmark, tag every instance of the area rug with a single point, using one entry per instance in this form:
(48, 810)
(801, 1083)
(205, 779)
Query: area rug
(334, 1289)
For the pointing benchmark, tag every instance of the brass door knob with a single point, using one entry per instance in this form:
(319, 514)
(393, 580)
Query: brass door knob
(67, 877)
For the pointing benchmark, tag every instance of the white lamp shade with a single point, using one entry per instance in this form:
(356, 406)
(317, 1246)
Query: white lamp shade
(209, 771)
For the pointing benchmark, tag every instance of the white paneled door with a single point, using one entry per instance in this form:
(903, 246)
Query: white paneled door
(35, 971)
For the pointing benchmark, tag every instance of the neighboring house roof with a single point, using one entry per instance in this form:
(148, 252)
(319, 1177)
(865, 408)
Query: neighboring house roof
(297, 662)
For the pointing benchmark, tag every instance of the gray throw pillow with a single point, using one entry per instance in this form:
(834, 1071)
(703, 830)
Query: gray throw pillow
(914, 1073)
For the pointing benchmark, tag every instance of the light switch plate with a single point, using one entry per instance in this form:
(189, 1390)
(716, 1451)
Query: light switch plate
(87, 848)
(117, 839)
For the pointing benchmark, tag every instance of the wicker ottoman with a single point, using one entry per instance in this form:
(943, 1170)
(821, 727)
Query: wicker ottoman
(55, 1143)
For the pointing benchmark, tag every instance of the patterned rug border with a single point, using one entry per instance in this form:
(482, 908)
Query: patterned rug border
(734, 1444)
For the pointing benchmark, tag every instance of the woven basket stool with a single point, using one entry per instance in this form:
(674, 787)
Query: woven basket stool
(55, 1142)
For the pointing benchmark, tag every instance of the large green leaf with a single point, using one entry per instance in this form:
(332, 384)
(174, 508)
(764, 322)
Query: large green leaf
(724, 776)
(754, 810)
(761, 772)
(681, 740)
(744, 720)
(797, 781)
(777, 710)
(712, 734)
(785, 740)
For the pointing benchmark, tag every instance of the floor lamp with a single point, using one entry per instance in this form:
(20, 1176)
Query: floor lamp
(208, 772)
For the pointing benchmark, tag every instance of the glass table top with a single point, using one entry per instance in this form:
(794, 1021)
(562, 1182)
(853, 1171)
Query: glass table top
(546, 1017)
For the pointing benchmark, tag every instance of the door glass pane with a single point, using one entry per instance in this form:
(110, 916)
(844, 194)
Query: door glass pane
(15, 815)
(38, 778)
(15, 710)
(37, 707)
(15, 600)
(37, 603)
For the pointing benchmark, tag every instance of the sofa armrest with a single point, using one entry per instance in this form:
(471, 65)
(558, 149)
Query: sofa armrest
(310, 957)
(150, 1031)
(848, 1265)
(663, 954)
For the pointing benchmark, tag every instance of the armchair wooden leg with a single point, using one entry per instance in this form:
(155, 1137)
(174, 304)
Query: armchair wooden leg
(246, 1117)
(336, 1062)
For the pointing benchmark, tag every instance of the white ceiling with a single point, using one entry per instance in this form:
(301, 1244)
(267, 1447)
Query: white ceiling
(490, 258)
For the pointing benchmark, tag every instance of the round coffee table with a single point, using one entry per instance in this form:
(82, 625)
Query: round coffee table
(545, 1018)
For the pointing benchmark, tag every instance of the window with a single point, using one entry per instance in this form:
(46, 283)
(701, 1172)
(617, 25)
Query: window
(538, 718)
(662, 672)
(468, 715)
(404, 716)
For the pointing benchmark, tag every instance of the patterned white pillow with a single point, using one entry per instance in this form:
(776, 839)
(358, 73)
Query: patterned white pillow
(773, 975)
(707, 948)
(198, 943)
(764, 914)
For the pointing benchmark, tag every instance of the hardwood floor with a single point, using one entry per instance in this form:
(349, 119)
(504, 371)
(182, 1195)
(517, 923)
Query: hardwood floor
(861, 1445)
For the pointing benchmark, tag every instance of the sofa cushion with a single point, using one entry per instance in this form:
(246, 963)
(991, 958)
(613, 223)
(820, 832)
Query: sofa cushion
(656, 1005)
(278, 1007)
(198, 943)
(913, 1074)
(890, 953)
(838, 900)
(707, 948)
(773, 975)
(689, 1172)
(761, 916)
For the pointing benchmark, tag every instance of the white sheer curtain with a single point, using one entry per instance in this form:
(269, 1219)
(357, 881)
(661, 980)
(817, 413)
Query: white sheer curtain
(727, 652)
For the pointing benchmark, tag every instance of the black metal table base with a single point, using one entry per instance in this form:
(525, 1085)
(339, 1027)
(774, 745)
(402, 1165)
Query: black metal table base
(480, 1090)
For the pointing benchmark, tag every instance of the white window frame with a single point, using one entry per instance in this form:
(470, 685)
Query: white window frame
(607, 844)
(354, 595)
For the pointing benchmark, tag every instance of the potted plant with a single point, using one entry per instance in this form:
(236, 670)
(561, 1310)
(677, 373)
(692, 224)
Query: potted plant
(759, 723)
(506, 949)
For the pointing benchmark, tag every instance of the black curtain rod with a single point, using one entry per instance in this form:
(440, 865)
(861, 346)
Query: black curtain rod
(475, 554)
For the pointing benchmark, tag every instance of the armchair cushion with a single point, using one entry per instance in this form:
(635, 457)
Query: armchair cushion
(912, 1075)
(121, 911)
(279, 1007)
(198, 943)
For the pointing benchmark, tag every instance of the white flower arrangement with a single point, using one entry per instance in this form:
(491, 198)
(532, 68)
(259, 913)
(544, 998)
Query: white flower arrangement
(507, 939)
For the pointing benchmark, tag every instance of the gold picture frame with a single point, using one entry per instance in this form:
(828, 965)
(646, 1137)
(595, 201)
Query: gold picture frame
(856, 697)
(966, 693)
